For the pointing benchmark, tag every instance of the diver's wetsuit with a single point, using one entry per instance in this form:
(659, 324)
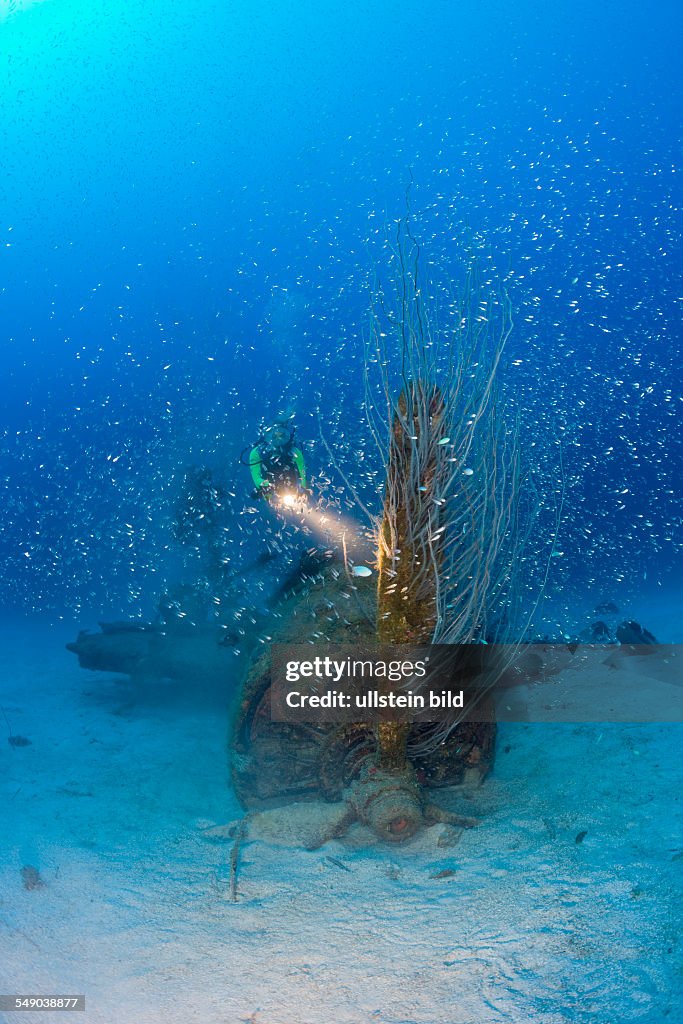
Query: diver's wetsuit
(272, 466)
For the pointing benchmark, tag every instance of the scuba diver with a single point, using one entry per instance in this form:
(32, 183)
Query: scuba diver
(277, 464)
(199, 510)
(200, 529)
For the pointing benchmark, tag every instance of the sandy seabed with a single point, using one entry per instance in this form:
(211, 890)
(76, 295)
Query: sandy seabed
(564, 905)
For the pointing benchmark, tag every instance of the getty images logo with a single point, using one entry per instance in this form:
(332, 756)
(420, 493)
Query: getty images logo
(336, 669)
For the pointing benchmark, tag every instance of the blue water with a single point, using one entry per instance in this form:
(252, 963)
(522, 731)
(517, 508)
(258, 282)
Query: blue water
(196, 200)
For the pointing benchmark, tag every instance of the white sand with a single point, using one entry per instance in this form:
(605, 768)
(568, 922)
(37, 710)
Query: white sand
(532, 927)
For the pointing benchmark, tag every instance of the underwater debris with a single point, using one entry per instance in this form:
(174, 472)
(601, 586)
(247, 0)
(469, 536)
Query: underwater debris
(18, 741)
(182, 643)
(552, 831)
(432, 588)
(397, 816)
(312, 562)
(579, 838)
(12, 738)
(392, 804)
(159, 652)
(631, 632)
(338, 863)
(599, 633)
(234, 859)
(31, 878)
(277, 763)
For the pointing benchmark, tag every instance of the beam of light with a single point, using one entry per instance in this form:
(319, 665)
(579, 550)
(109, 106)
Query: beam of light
(330, 528)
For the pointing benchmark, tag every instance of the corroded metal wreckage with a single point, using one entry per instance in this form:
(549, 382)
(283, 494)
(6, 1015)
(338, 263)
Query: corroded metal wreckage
(181, 643)
(304, 784)
(329, 776)
(146, 650)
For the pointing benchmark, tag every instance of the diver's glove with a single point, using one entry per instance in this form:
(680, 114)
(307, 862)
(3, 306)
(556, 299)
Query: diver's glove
(261, 492)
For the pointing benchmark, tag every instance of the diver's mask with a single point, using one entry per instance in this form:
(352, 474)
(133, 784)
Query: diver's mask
(278, 436)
